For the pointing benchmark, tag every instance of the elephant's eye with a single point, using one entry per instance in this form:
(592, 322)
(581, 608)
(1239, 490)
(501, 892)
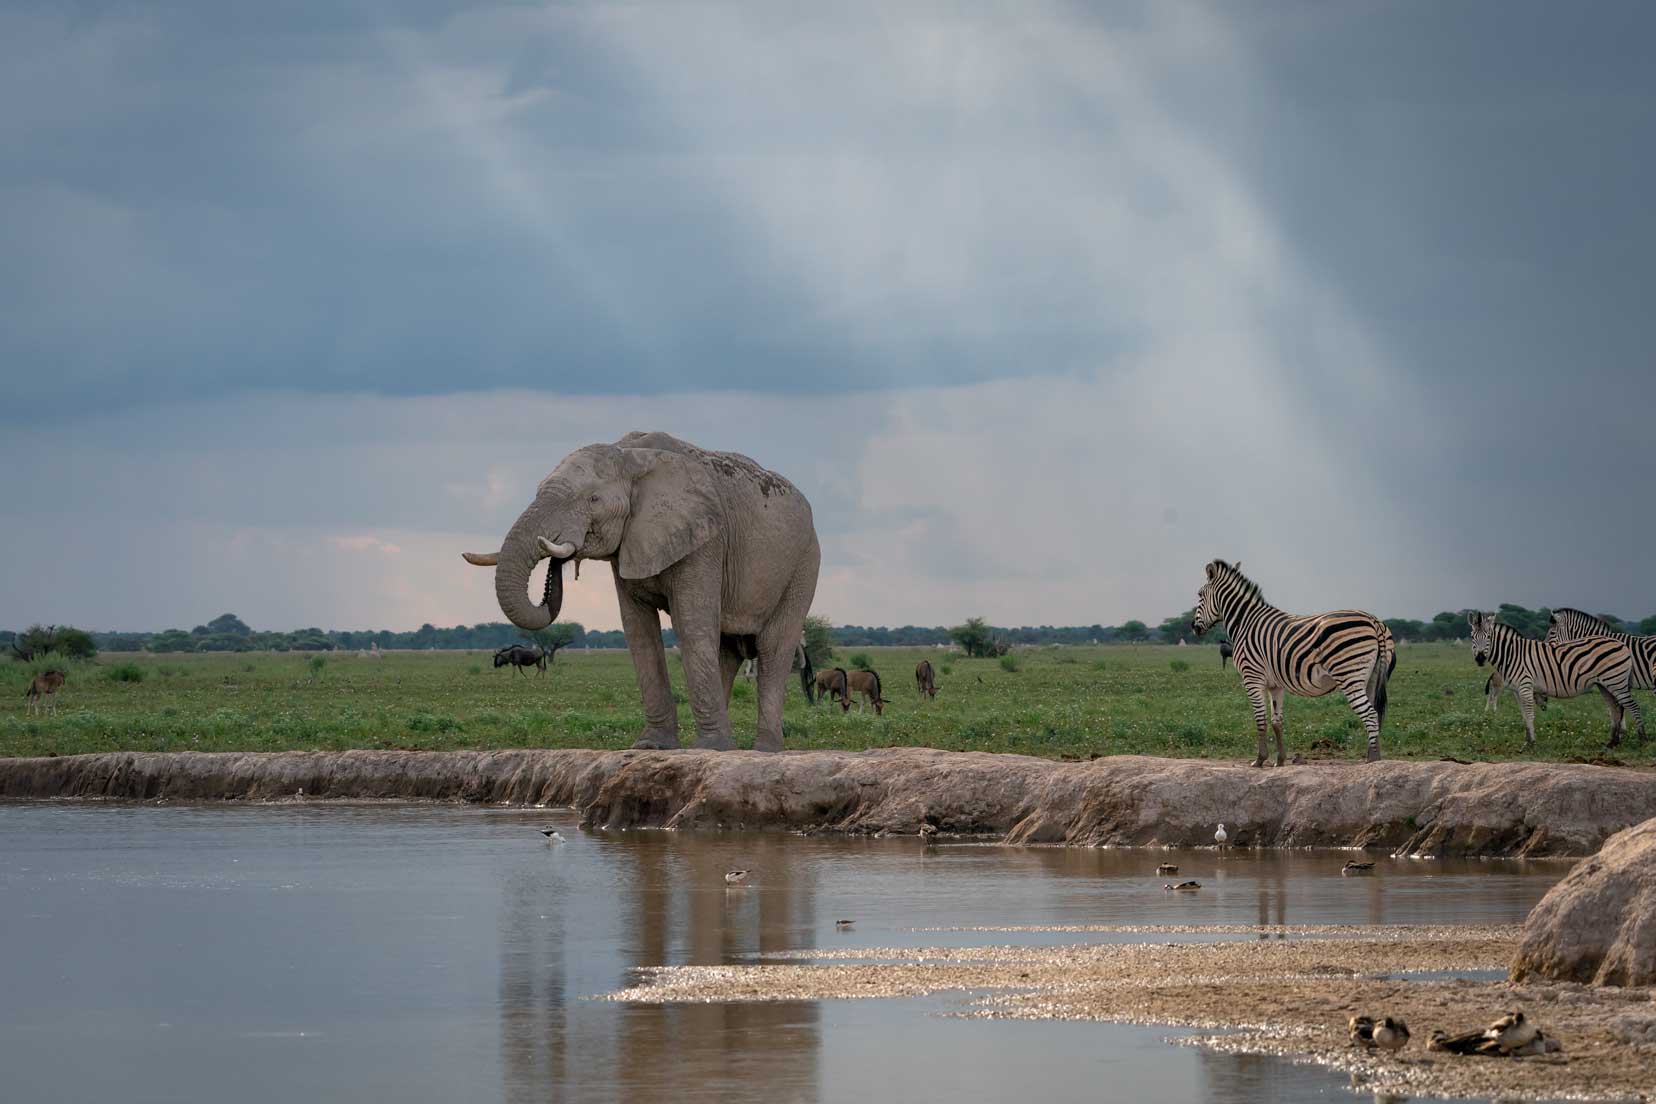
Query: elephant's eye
(596, 499)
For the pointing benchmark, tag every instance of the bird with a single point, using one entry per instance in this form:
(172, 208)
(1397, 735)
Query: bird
(736, 877)
(1183, 885)
(1220, 837)
(1360, 1030)
(1512, 1032)
(843, 924)
(928, 833)
(1353, 867)
(1541, 1044)
(1167, 868)
(1391, 1034)
(552, 835)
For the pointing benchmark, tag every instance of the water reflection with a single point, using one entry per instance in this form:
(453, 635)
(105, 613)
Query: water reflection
(441, 954)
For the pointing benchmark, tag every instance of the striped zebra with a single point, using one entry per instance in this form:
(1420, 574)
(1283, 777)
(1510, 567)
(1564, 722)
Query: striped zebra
(1564, 670)
(1493, 686)
(1572, 624)
(1278, 653)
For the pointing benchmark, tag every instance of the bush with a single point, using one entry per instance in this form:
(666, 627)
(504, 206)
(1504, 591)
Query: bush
(947, 669)
(741, 690)
(1179, 665)
(316, 663)
(861, 662)
(1010, 662)
(975, 638)
(819, 640)
(125, 672)
(38, 640)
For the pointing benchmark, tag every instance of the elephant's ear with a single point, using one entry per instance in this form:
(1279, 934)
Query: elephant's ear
(675, 510)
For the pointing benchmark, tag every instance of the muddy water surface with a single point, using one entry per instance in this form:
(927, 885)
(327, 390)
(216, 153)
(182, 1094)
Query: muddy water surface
(418, 953)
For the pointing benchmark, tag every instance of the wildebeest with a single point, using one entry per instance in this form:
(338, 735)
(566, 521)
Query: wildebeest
(521, 656)
(925, 681)
(867, 683)
(43, 686)
(807, 676)
(832, 685)
(1225, 651)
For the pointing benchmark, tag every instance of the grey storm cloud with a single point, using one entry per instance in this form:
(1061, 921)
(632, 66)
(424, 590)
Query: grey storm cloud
(1044, 304)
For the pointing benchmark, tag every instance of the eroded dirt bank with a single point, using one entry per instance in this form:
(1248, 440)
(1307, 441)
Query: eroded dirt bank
(1412, 808)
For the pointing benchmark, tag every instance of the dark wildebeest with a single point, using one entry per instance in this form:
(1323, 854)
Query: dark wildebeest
(44, 686)
(807, 676)
(925, 680)
(831, 685)
(867, 683)
(1225, 650)
(521, 656)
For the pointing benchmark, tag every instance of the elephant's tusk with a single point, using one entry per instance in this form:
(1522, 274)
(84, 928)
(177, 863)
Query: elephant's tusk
(481, 559)
(556, 551)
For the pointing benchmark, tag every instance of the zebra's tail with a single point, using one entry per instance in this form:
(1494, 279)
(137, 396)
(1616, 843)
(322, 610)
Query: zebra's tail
(1385, 661)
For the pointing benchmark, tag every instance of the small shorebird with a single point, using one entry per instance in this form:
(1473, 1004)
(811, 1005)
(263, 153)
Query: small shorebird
(552, 835)
(928, 835)
(1352, 867)
(1167, 868)
(1391, 1034)
(736, 877)
(1512, 1032)
(1220, 837)
(1183, 885)
(1360, 1030)
(842, 925)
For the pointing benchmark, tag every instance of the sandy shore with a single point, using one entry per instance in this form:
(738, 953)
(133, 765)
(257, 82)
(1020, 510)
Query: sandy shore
(1421, 808)
(1279, 991)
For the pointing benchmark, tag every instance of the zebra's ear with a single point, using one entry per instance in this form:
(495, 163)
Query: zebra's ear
(1210, 567)
(1473, 617)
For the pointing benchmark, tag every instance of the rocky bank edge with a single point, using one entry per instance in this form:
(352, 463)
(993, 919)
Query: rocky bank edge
(1598, 925)
(1436, 808)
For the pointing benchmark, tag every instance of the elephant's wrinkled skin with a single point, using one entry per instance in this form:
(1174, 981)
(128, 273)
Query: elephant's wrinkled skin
(724, 546)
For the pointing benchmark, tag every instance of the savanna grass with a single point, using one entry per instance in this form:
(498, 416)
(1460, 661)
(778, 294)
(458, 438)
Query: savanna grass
(1054, 702)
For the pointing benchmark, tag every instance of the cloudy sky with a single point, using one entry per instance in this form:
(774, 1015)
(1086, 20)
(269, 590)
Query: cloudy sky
(1042, 305)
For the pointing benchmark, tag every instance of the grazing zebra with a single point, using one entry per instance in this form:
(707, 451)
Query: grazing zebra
(1572, 624)
(867, 683)
(1560, 670)
(1279, 653)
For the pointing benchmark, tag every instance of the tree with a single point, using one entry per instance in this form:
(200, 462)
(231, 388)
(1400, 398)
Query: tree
(819, 640)
(559, 635)
(1647, 627)
(1177, 627)
(36, 640)
(975, 638)
(1135, 631)
(229, 624)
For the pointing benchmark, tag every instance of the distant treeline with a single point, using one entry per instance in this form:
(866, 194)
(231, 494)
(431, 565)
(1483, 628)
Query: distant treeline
(229, 633)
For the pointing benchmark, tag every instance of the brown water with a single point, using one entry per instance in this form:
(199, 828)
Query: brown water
(416, 953)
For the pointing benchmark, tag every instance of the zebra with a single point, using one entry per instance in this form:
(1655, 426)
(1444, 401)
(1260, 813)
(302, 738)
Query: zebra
(1560, 670)
(1572, 624)
(1279, 653)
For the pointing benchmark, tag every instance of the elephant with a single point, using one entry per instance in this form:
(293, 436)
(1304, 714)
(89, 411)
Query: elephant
(725, 547)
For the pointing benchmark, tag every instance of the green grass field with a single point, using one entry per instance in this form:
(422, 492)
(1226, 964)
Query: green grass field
(1057, 702)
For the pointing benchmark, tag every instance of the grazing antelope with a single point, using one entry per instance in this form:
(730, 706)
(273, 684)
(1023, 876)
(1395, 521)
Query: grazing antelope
(867, 683)
(831, 686)
(521, 656)
(925, 681)
(1279, 653)
(44, 686)
(1559, 670)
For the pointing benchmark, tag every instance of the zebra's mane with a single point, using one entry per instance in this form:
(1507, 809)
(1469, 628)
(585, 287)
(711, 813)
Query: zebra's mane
(1244, 585)
(1585, 616)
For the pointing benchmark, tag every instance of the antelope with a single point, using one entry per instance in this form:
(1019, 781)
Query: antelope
(831, 686)
(44, 686)
(925, 680)
(867, 683)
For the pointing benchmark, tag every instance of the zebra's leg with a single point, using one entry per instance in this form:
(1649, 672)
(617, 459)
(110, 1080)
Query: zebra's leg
(1356, 695)
(1256, 698)
(1616, 712)
(1277, 698)
(1526, 706)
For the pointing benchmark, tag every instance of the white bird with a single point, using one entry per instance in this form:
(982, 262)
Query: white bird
(552, 835)
(1220, 837)
(736, 877)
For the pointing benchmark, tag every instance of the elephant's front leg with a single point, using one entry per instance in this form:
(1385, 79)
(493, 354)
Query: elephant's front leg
(642, 625)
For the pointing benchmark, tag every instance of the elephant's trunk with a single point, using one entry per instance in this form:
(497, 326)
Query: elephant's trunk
(518, 556)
